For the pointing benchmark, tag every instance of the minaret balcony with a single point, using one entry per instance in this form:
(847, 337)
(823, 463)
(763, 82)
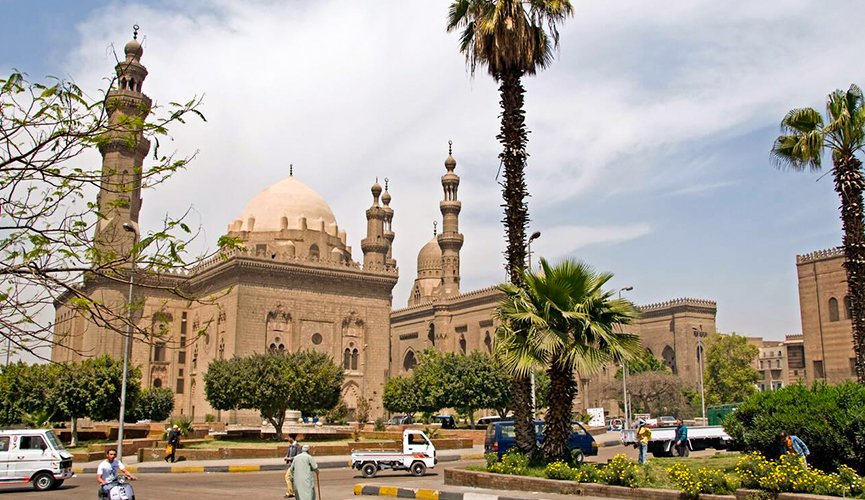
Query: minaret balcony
(450, 240)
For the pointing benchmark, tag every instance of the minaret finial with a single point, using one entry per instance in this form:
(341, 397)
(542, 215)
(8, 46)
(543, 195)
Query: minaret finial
(291, 169)
(450, 147)
(435, 227)
(135, 32)
(386, 180)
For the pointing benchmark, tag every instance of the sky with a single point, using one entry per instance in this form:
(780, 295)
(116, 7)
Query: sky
(649, 144)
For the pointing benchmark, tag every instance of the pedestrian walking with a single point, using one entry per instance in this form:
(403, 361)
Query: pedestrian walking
(792, 444)
(644, 435)
(304, 474)
(681, 439)
(173, 443)
(293, 451)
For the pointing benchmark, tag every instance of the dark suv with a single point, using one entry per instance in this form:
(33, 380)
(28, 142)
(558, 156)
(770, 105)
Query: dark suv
(501, 437)
(447, 421)
(401, 420)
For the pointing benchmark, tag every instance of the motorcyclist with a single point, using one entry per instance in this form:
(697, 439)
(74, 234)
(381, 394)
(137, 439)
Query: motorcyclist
(106, 473)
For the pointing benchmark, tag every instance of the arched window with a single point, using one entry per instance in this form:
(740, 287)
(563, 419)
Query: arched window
(488, 341)
(669, 356)
(346, 358)
(157, 382)
(313, 251)
(354, 356)
(409, 361)
(833, 309)
(431, 334)
(463, 343)
(847, 307)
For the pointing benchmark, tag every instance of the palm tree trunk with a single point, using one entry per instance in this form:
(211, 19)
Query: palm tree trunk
(558, 420)
(513, 137)
(849, 184)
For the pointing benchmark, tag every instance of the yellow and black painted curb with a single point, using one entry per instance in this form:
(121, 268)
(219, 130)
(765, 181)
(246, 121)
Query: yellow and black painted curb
(421, 493)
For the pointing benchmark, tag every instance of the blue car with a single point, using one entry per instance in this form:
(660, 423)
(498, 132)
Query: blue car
(501, 437)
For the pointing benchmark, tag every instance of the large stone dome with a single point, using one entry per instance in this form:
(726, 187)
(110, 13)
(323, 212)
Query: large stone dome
(290, 199)
(430, 257)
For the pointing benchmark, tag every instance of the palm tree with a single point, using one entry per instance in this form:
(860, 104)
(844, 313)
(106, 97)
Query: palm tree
(804, 137)
(511, 38)
(561, 318)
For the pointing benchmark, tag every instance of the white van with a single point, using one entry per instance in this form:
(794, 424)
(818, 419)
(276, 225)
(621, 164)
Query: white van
(33, 455)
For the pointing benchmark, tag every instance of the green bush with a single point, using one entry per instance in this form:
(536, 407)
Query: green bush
(560, 470)
(155, 404)
(513, 462)
(829, 419)
(379, 425)
(621, 471)
(789, 475)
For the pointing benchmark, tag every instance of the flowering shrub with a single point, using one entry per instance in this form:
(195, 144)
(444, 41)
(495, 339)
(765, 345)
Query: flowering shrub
(621, 471)
(681, 475)
(560, 470)
(789, 474)
(588, 473)
(513, 462)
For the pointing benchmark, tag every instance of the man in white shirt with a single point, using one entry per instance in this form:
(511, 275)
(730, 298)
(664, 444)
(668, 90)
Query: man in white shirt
(106, 473)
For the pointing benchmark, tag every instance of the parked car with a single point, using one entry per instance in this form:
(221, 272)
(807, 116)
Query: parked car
(666, 421)
(446, 421)
(483, 422)
(34, 456)
(401, 420)
(501, 437)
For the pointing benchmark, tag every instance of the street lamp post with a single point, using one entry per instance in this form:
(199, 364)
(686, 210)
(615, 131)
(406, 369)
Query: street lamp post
(533, 237)
(700, 335)
(625, 371)
(128, 227)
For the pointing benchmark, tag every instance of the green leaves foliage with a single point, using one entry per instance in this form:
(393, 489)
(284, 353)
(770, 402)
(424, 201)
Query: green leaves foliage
(274, 382)
(829, 419)
(730, 378)
(155, 404)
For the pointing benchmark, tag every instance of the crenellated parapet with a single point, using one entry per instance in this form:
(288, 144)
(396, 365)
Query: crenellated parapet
(829, 253)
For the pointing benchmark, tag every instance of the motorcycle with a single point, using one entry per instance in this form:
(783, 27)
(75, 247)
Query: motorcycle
(119, 489)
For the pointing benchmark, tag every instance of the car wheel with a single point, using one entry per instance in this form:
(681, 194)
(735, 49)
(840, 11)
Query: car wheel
(368, 470)
(577, 456)
(43, 481)
(418, 469)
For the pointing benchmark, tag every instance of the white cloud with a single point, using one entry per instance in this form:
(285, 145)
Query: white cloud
(348, 91)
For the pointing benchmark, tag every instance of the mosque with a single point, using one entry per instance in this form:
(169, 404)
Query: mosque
(295, 286)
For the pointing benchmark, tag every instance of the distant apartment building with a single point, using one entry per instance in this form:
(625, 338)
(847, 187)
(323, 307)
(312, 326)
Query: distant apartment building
(825, 308)
(780, 363)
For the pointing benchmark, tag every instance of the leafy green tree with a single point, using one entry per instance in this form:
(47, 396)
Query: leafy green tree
(730, 378)
(512, 38)
(26, 389)
(155, 404)
(563, 319)
(399, 395)
(105, 375)
(645, 362)
(805, 136)
(829, 419)
(274, 382)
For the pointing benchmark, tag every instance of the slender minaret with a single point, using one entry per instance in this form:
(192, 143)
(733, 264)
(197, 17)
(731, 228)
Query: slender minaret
(389, 235)
(119, 197)
(450, 240)
(375, 245)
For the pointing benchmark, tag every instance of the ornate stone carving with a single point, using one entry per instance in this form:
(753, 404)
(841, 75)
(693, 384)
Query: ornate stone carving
(352, 325)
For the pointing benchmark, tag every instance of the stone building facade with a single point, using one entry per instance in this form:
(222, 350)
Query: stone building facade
(781, 363)
(826, 325)
(293, 286)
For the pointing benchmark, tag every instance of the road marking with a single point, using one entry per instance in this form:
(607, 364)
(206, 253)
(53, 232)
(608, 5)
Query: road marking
(187, 468)
(244, 468)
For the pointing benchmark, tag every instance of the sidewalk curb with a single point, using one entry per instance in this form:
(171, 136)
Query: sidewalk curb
(425, 494)
(241, 467)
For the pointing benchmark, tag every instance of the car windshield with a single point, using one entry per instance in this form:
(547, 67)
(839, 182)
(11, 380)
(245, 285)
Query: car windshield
(54, 441)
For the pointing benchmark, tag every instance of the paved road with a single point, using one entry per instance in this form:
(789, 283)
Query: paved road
(336, 484)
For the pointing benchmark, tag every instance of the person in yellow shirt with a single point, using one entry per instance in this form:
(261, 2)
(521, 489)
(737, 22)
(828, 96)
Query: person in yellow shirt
(644, 435)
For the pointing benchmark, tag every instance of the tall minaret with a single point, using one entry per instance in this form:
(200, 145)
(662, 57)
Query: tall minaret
(123, 154)
(450, 240)
(375, 245)
(389, 235)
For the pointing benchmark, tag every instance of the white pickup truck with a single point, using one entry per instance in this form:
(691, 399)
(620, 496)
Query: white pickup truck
(418, 454)
(699, 438)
